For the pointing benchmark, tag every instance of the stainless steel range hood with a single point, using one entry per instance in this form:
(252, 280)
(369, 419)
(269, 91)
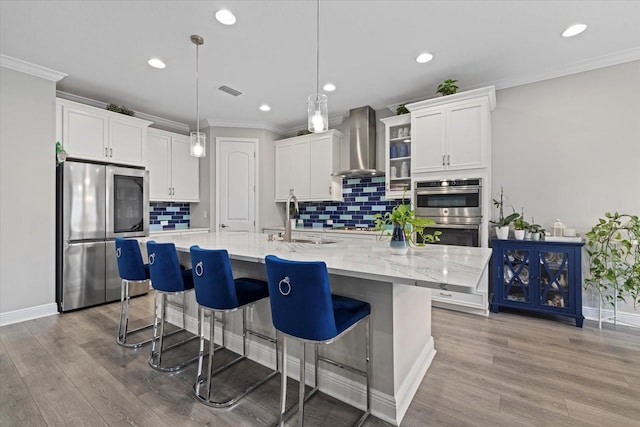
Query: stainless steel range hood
(362, 145)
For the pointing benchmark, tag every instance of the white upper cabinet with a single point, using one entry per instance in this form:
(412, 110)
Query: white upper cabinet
(305, 163)
(94, 134)
(452, 132)
(174, 175)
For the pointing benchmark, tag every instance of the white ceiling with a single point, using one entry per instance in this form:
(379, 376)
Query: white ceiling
(367, 49)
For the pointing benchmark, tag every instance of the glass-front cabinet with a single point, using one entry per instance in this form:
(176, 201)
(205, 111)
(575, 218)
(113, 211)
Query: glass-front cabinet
(538, 276)
(398, 156)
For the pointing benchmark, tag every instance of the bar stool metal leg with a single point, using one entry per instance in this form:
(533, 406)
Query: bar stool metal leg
(123, 321)
(157, 344)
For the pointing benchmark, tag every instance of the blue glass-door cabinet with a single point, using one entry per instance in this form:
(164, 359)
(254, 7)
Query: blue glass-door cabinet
(538, 276)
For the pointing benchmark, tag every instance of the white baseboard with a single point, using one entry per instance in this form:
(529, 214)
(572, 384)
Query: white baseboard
(16, 316)
(409, 387)
(383, 406)
(624, 317)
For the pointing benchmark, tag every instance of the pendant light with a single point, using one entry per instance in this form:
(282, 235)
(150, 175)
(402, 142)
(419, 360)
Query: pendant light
(317, 108)
(198, 140)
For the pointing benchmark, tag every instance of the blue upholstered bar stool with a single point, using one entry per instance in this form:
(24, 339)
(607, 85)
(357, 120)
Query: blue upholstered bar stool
(167, 278)
(132, 270)
(303, 309)
(218, 292)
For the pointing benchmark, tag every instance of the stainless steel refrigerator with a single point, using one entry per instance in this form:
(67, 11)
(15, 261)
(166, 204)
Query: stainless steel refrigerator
(94, 204)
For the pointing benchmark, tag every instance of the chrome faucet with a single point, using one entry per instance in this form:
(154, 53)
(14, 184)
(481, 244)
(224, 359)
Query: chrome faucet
(287, 224)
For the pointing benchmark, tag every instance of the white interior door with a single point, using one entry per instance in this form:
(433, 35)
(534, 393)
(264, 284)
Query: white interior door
(235, 184)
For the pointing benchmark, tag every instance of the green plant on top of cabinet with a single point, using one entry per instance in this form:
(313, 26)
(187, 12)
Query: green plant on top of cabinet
(173, 173)
(452, 132)
(91, 133)
(305, 164)
(398, 156)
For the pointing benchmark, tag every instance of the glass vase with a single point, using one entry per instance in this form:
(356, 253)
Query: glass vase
(398, 244)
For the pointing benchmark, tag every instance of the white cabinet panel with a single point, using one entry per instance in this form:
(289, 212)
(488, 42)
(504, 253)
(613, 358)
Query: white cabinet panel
(173, 172)
(305, 164)
(452, 132)
(84, 134)
(127, 142)
(94, 134)
(159, 165)
(284, 178)
(185, 171)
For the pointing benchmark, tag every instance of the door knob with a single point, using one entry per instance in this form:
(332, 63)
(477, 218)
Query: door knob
(223, 225)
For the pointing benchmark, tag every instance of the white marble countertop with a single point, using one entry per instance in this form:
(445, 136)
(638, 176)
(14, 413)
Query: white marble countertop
(280, 228)
(454, 268)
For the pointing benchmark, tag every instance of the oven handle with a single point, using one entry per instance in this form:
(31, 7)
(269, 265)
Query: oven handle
(448, 190)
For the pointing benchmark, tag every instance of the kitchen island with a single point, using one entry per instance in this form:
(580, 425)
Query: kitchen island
(397, 287)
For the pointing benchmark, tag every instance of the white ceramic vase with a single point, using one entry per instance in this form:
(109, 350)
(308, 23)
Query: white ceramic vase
(518, 234)
(502, 232)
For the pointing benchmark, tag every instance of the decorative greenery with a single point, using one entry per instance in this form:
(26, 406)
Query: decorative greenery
(536, 228)
(404, 216)
(519, 223)
(614, 254)
(502, 221)
(304, 132)
(401, 109)
(120, 109)
(448, 87)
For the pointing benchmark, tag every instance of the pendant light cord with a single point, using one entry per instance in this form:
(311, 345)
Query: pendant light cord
(317, 50)
(197, 94)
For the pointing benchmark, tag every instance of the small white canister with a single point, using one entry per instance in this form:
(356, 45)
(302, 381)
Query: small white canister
(557, 229)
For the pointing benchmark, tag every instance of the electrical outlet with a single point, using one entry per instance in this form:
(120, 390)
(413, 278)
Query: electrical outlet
(329, 222)
(164, 222)
(204, 214)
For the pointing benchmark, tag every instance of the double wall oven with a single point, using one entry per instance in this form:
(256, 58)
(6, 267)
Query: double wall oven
(456, 207)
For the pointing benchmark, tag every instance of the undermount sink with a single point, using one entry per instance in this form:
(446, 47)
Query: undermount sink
(313, 242)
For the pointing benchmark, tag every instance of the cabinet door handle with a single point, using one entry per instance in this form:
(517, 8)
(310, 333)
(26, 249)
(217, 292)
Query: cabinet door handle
(330, 190)
(106, 152)
(448, 159)
(169, 190)
(443, 162)
(223, 225)
(445, 294)
(110, 152)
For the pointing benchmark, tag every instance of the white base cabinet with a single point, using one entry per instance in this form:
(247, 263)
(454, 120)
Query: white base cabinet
(174, 175)
(452, 132)
(305, 163)
(94, 134)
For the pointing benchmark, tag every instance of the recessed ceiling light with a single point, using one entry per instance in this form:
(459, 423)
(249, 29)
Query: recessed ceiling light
(156, 63)
(225, 17)
(265, 107)
(329, 87)
(424, 57)
(574, 30)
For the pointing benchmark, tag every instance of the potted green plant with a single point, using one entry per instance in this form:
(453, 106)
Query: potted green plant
(405, 223)
(502, 224)
(402, 109)
(448, 87)
(520, 226)
(614, 255)
(120, 109)
(535, 230)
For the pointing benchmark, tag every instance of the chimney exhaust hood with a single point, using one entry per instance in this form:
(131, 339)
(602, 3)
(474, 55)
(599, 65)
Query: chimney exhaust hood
(362, 144)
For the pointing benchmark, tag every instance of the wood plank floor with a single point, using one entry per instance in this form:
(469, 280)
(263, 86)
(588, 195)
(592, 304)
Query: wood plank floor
(506, 370)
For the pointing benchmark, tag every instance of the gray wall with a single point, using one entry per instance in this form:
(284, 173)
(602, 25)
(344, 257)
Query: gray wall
(27, 191)
(569, 147)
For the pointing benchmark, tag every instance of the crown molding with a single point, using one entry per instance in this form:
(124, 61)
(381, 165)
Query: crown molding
(32, 69)
(158, 122)
(603, 61)
(243, 124)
